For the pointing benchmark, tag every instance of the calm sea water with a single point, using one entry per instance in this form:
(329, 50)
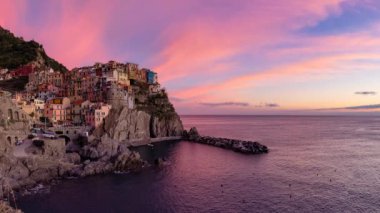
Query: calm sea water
(315, 164)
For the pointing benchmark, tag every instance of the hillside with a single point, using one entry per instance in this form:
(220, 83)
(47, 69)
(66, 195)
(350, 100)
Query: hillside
(15, 52)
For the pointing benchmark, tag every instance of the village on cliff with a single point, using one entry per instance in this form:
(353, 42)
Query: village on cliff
(79, 100)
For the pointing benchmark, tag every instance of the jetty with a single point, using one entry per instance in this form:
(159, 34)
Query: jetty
(242, 146)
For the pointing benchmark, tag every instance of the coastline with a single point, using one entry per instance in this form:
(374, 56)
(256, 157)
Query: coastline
(127, 161)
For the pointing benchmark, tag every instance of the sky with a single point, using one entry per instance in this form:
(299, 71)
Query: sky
(223, 56)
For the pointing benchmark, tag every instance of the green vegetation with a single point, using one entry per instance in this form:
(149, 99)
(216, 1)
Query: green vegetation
(15, 52)
(39, 143)
(155, 104)
(14, 85)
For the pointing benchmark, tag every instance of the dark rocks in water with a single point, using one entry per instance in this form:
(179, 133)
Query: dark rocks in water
(193, 134)
(247, 147)
(158, 161)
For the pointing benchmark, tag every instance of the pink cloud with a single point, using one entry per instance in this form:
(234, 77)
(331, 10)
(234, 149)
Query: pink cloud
(222, 47)
(305, 70)
(73, 34)
(203, 42)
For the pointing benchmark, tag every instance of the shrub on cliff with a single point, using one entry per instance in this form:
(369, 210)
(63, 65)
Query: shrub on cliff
(82, 140)
(158, 105)
(39, 143)
(15, 52)
(14, 85)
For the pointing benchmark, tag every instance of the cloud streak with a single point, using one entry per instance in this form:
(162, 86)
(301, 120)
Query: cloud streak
(267, 105)
(374, 106)
(361, 107)
(366, 93)
(223, 104)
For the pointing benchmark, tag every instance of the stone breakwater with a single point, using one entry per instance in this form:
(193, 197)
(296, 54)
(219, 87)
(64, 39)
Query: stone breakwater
(247, 147)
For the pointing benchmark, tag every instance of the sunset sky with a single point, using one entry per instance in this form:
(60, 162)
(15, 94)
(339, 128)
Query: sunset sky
(222, 56)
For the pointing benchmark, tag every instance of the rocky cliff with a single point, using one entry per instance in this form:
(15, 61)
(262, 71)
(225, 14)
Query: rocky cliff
(124, 124)
(154, 117)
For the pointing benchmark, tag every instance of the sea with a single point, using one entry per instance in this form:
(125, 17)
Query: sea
(315, 164)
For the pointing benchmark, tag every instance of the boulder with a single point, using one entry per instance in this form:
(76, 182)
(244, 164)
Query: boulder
(72, 158)
(193, 134)
(128, 161)
(107, 146)
(96, 167)
(89, 152)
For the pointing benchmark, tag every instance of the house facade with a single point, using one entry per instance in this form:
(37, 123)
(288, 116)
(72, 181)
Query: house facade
(58, 110)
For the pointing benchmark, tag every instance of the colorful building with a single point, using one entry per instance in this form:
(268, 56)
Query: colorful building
(22, 71)
(95, 113)
(133, 70)
(58, 110)
(76, 112)
(101, 112)
(151, 77)
(39, 106)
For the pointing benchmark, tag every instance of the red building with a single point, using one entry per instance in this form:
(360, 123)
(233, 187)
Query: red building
(22, 71)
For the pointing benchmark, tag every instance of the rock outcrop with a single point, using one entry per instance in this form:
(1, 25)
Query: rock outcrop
(247, 147)
(153, 117)
(127, 125)
(165, 127)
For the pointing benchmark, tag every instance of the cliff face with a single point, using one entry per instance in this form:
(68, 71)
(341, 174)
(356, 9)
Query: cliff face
(124, 125)
(166, 126)
(154, 117)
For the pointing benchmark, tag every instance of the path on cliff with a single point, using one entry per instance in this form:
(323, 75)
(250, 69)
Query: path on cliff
(141, 142)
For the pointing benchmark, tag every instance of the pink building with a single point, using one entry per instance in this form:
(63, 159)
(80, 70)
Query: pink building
(58, 110)
(96, 113)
